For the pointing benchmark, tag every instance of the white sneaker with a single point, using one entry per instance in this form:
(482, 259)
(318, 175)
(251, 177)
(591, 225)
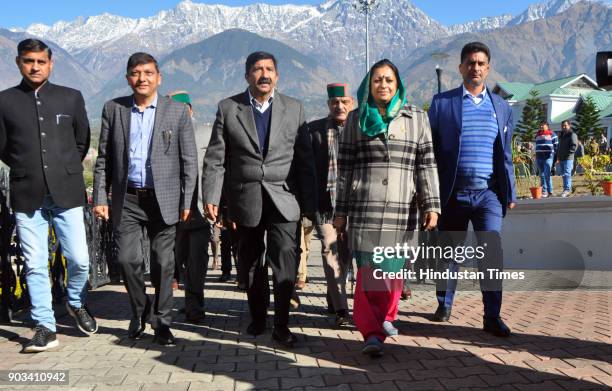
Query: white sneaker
(565, 193)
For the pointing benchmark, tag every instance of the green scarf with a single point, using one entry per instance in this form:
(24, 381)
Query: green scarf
(370, 121)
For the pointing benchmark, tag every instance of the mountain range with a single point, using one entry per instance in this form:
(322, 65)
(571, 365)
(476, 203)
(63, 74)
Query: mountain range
(200, 48)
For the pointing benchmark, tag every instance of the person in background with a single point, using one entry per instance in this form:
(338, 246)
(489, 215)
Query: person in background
(568, 142)
(325, 134)
(192, 237)
(546, 142)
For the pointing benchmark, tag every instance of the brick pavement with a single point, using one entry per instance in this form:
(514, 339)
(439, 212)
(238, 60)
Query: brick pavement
(561, 341)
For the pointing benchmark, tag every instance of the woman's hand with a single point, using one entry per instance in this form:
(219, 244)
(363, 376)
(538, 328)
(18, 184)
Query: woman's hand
(431, 221)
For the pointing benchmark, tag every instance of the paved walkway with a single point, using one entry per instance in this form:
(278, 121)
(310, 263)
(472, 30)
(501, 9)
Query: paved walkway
(561, 341)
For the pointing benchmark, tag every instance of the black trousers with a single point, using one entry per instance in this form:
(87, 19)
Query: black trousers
(192, 261)
(281, 249)
(229, 246)
(142, 211)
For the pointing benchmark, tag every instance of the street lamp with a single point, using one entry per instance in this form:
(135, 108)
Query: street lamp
(439, 57)
(366, 7)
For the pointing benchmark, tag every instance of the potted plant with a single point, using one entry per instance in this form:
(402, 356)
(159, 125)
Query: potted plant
(536, 187)
(594, 166)
(522, 158)
(606, 184)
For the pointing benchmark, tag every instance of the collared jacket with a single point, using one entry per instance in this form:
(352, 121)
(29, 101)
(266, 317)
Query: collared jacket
(385, 182)
(44, 137)
(320, 149)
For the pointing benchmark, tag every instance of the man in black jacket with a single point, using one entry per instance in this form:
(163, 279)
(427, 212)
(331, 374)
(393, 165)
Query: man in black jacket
(568, 142)
(44, 136)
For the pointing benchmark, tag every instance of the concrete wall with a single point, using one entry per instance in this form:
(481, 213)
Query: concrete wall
(559, 233)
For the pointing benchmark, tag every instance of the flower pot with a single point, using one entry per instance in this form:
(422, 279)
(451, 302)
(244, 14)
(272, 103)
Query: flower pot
(536, 192)
(607, 187)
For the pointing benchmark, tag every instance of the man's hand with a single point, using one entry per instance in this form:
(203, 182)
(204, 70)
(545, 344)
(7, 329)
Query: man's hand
(232, 225)
(101, 212)
(511, 205)
(185, 215)
(431, 221)
(211, 212)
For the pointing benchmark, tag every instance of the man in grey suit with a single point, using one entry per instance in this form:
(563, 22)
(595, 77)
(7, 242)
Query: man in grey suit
(147, 158)
(260, 154)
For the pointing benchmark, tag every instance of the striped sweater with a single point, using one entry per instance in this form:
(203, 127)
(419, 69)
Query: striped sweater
(478, 132)
(546, 144)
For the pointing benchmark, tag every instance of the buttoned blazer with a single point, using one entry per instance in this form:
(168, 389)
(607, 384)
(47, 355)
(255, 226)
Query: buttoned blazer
(235, 165)
(445, 116)
(43, 139)
(173, 156)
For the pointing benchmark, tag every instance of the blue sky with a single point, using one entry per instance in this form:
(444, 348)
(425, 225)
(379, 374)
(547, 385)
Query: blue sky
(17, 13)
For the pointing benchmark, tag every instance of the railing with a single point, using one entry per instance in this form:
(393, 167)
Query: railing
(13, 288)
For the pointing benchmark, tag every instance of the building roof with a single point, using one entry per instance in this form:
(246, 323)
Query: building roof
(563, 86)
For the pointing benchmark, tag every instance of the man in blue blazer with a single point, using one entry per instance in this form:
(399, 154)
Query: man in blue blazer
(472, 134)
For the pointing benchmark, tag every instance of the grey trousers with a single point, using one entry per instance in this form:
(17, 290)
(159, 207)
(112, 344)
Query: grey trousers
(336, 259)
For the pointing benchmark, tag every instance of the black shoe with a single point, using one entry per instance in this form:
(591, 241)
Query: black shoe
(342, 318)
(284, 337)
(42, 340)
(256, 328)
(496, 326)
(84, 321)
(442, 314)
(163, 336)
(136, 329)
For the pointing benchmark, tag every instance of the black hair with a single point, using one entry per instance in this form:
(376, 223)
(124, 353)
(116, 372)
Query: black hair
(257, 56)
(33, 45)
(388, 63)
(475, 47)
(566, 120)
(141, 58)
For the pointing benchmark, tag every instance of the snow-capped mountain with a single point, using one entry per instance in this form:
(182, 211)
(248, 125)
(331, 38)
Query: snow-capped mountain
(482, 24)
(542, 10)
(333, 30)
(532, 13)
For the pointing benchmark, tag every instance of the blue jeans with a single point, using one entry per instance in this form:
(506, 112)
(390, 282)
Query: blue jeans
(566, 167)
(33, 231)
(483, 209)
(544, 167)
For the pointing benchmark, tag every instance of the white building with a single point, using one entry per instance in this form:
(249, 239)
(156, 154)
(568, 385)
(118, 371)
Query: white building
(561, 98)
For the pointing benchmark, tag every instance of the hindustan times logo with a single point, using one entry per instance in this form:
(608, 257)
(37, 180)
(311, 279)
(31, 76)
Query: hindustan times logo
(458, 254)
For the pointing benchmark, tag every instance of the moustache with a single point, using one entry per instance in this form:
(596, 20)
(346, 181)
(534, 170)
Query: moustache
(264, 80)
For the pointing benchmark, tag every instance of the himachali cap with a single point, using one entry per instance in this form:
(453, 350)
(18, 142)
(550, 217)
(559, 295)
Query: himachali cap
(181, 96)
(337, 90)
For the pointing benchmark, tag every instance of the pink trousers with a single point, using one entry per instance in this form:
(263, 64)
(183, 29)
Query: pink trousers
(375, 302)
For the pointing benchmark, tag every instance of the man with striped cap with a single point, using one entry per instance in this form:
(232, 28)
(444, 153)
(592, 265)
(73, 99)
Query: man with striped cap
(325, 133)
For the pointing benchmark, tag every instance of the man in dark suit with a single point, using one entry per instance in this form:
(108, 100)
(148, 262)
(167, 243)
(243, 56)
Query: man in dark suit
(148, 159)
(192, 238)
(472, 135)
(260, 153)
(44, 136)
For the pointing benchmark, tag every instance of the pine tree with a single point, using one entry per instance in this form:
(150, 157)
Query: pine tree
(533, 115)
(587, 119)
